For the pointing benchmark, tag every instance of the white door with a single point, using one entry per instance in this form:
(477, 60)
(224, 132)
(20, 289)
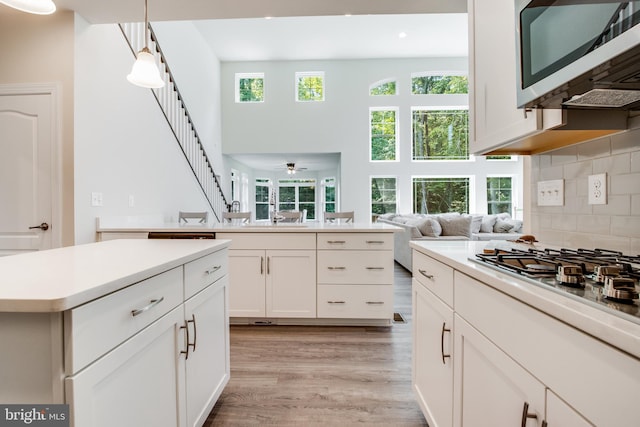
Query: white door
(26, 168)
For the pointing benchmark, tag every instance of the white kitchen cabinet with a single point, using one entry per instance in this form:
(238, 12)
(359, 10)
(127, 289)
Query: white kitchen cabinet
(272, 275)
(491, 388)
(355, 276)
(207, 363)
(432, 361)
(559, 413)
(494, 118)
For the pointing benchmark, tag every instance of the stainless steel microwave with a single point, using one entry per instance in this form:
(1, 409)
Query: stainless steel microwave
(578, 53)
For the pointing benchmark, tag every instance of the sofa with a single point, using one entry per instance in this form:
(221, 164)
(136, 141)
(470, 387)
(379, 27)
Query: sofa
(448, 226)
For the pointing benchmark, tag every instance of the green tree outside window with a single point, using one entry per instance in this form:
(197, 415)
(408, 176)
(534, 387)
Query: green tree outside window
(387, 88)
(440, 195)
(499, 195)
(383, 135)
(310, 87)
(434, 85)
(383, 195)
(440, 134)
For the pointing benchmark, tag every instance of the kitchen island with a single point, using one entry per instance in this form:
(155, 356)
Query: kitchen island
(109, 328)
(489, 345)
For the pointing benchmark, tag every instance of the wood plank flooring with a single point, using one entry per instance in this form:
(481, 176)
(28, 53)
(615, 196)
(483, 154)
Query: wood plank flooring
(322, 376)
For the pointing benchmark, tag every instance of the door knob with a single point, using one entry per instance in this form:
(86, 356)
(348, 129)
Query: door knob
(44, 226)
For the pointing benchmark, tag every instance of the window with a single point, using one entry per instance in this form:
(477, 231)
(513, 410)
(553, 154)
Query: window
(310, 86)
(440, 195)
(383, 87)
(250, 87)
(235, 189)
(329, 194)
(263, 187)
(441, 134)
(383, 131)
(499, 195)
(383, 195)
(297, 195)
(422, 84)
(499, 158)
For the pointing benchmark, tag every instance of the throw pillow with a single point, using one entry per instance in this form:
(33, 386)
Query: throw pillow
(476, 223)
(414, 224)
(430, 227)
(502, 226)
(455, 225)
(488, 221)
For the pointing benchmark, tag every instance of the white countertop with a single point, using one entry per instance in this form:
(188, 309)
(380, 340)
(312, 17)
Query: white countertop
(59, 279)
(619, 332)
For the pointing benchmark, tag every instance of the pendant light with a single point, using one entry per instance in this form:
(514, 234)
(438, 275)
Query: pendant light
(38, 7)
(145, 72)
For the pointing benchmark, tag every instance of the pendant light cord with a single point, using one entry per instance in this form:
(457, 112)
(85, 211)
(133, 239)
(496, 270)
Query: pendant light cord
(146, 25)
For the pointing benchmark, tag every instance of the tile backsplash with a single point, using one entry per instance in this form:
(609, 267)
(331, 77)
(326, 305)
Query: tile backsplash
(614, 225)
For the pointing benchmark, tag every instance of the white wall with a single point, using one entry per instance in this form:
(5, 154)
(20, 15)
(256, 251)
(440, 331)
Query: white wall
(123, 145)
(341, 123)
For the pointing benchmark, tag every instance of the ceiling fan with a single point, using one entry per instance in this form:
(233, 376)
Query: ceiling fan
(291, 168)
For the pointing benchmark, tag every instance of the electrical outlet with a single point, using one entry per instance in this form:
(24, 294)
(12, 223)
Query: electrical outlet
(96, 199)
(132, 201)
(551, 193)
(598, 189)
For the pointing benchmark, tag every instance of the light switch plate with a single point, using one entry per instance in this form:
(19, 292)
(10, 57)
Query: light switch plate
(96, 199)
(598, 189)
(551, 193)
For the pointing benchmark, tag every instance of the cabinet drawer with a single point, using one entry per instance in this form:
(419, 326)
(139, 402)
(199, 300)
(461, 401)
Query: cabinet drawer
(94, 328)
(355, 267)
(369, 241)
(355, 301)
(276, 240)
(204, 271)
(434, 275)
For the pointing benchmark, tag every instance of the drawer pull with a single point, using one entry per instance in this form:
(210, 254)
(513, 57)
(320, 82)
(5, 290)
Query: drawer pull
(335, 302)
(195, 332)
(337, 268)
(336, 242)
(376, 242)
(444, 329)
(151, 304)
(526, 414)
(424, 273)
(186, 340)
(213, 270)
(261, 265)
(375, 302)
(375, 268)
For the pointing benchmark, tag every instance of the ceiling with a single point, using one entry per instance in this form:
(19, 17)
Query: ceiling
(302, 30)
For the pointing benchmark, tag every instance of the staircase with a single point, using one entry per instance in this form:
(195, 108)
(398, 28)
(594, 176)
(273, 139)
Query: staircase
(177, 115)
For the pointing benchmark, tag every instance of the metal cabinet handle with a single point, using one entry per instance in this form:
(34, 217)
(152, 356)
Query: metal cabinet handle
(337, 268)
(268, 265)
(186, 340)
(375, 302)
(44, 226)
(444, 329)
(374, 268)
(195, 332)
(213, 269)
(333, 242)
(151, 304)
(261, 265)
(335, 302)
(526, 414)
(378, 242)
(424, 273)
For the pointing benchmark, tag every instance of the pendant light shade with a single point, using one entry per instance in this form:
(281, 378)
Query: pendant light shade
(38, 7)
(145, 72)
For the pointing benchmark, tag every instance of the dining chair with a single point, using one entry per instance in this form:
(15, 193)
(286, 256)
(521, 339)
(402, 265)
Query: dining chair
(290, 216)
(186, 216)
(338, 217)
(236, 217)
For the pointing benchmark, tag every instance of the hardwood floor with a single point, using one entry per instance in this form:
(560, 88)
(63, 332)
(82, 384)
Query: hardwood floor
(323, 376)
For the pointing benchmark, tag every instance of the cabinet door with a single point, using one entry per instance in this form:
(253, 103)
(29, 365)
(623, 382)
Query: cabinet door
(491, 388)
(247, 272)
(432, 364)
(207, 365)
(291, 283)
(559, 414)
(494, 116)
(136, 384)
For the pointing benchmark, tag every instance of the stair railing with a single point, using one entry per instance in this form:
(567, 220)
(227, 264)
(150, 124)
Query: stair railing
(177, 115)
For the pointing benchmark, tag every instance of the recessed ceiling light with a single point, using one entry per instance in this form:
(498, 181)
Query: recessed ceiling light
(402, 35)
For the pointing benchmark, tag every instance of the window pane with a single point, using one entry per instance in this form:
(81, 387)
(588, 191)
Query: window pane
(430, 85)
(499, 195)
(440, 195)
(440, 135)
(310, 86)
(251, 90)
(262, 199)
(498, 157)
(383, 196)
(383, 135)
(387, 88)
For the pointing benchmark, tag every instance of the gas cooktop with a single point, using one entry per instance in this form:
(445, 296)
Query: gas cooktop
(605, 279)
